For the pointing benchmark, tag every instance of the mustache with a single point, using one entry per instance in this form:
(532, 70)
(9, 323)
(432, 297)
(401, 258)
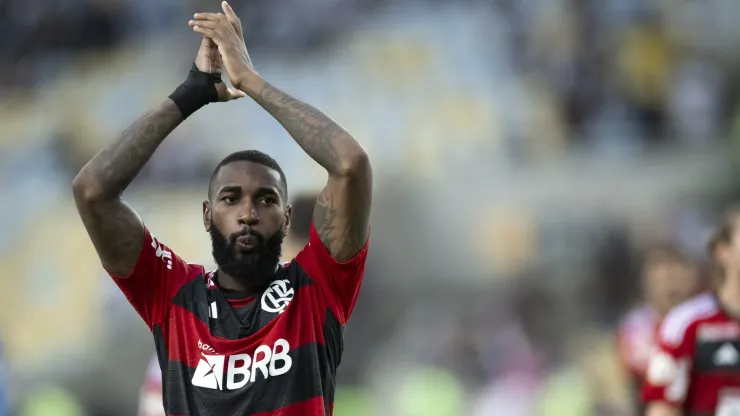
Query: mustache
(247, 231)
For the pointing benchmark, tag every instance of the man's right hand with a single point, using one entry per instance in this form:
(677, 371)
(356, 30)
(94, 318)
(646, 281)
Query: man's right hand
(209, 60)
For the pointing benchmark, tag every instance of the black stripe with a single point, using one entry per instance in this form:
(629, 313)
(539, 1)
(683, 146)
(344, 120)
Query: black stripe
(334, 346)
(193, 297)
(708, 357)
(162, 356)
(304, 380)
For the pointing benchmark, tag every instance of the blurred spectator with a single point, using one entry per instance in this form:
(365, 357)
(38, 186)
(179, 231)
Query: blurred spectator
(669, 277)
(646, 59)
(696, 96)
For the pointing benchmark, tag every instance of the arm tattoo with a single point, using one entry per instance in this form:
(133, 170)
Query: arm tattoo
(343, 235)
(115, 230)
(321, 137)
(341, 215)
(117, 165)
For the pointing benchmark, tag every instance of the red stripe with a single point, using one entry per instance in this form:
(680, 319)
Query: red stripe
(313, 407)
(237, 303)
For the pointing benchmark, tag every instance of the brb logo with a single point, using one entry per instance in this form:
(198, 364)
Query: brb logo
(242, 368)
(277, 297)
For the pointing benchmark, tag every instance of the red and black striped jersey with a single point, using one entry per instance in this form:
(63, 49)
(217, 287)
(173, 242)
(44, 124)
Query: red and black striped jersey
(696, 366)
(273, 354)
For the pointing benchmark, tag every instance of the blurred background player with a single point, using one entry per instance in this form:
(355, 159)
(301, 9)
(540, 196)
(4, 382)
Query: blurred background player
(150, 394)
(696, 367)
(669, 277)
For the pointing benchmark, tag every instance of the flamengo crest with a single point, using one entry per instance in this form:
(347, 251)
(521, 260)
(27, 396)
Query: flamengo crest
(277, 297)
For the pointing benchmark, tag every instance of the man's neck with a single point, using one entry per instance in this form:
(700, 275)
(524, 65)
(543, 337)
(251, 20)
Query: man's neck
(729, 293)
(228, 282)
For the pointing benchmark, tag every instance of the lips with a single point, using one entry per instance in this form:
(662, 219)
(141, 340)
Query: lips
(248, 242)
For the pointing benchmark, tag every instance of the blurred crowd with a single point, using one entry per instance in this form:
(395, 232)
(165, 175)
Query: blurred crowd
(530, 151)
(43, 35)
(637, 69)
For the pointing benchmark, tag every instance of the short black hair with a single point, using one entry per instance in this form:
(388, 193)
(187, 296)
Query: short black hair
(254, 156)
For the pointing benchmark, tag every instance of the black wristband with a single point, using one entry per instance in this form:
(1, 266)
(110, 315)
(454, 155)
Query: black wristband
(198, 90)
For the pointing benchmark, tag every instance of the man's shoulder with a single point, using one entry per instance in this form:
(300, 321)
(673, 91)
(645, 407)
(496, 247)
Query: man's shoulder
(192, 271)
(294, 272)
(685, 318)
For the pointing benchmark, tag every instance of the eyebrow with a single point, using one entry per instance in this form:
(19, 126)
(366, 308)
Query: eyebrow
(263, 190)
(230, 189)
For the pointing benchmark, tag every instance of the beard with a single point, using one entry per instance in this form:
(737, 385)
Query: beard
(255, 269)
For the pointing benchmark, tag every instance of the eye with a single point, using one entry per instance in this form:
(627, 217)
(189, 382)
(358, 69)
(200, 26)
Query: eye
(268, 200)
(230, 199)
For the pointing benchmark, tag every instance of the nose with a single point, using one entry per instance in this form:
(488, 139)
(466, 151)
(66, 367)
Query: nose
(248, 215)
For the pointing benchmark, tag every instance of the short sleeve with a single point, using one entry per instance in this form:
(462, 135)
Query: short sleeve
(156, 277)
(669, 369)
(340, 282)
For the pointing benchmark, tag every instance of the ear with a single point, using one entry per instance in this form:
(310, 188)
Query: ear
(287, 218)
(207, 216)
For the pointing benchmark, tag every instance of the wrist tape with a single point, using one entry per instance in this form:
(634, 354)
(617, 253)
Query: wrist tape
(198, 90)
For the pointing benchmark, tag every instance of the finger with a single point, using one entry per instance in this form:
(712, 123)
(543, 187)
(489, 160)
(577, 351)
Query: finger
(233, 19)
(235, 94)
(208, 16)
(204, 31)
(228, 11)
(210, 24)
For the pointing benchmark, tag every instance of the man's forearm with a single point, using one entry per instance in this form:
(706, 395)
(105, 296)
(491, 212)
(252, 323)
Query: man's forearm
(328, 143)
(109, 172)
